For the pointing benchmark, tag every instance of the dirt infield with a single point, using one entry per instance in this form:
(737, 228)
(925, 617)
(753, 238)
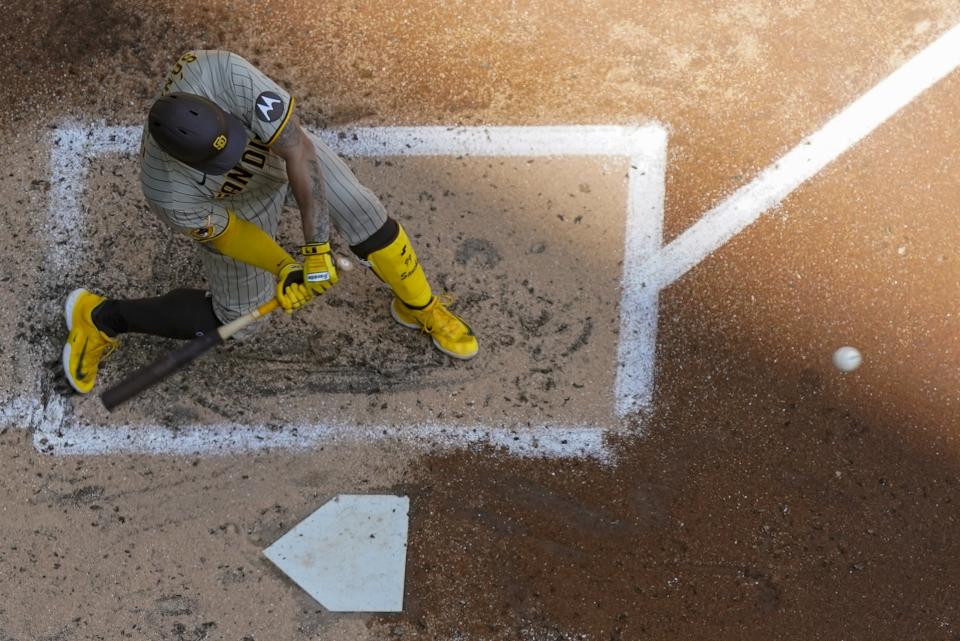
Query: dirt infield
(764, 495)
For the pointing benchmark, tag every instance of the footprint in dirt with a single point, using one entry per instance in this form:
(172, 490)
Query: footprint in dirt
(477, 251)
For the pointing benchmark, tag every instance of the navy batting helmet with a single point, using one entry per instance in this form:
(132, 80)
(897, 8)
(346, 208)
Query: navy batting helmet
(197, 132)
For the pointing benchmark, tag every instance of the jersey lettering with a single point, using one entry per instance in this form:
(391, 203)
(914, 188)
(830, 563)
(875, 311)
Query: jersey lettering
(253, 157)
(237, 178)
(177, 72)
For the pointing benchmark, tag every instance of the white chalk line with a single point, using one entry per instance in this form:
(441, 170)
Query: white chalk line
(637, 339)
(30, 413)
(534, 442)
(580, 140)
(74, 147)
(804, 161)
(54, 434)
(645, 146)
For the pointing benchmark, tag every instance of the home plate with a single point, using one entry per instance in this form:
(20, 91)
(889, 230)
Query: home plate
(351, 554)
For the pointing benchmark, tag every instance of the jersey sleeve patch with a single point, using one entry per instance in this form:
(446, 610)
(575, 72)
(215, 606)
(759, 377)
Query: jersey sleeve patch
(202, 233)
(201, 226)
(270, 107)
(262, 104)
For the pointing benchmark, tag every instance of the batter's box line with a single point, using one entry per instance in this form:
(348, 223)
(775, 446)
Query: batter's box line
(54, 434)
(212, 440)
(76, 145)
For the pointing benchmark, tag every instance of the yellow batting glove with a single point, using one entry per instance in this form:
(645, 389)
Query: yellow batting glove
(291, 292)
(319, 272)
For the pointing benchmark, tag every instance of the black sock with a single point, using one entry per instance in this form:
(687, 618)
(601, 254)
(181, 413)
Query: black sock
(409, 306)
(182, 313)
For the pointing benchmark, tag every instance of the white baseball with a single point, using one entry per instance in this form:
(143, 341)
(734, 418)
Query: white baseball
(344, 263)
(847, 359)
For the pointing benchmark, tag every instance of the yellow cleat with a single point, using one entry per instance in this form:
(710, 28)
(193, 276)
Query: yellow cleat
(450, 335)
(86, 345)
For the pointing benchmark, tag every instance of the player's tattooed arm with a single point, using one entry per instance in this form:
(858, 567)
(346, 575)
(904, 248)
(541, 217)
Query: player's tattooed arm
(306, 179)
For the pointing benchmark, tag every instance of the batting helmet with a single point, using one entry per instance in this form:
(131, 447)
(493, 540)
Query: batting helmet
(197, 132)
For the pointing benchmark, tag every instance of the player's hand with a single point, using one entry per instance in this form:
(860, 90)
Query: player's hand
(319, 272)
(291, 292)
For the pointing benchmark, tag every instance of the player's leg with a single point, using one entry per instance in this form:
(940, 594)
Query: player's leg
(237, 288)
(95, 324)
(181, 313)
(390, 255)
(381, 243)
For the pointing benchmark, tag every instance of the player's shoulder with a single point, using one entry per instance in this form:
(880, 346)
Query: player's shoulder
(206, 66)
(210, 60)
(220, 58)
(229, 61)
(166, 182)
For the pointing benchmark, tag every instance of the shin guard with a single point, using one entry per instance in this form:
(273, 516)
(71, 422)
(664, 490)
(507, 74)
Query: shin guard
(398, 266)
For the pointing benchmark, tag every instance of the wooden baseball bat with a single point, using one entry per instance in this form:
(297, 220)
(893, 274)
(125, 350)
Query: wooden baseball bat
(179, 358)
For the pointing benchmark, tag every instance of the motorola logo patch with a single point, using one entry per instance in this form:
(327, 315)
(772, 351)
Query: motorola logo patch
(270, 107)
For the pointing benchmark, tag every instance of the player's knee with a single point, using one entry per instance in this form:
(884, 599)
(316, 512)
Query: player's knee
(194, 310)
(231, 313)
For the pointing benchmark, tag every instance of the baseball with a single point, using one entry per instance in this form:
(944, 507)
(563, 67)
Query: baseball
(344, 263)
(847, 358)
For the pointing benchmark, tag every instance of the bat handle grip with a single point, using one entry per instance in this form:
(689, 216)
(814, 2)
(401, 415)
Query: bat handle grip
(229, 329)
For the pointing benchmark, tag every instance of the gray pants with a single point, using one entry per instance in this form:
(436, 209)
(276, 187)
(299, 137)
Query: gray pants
(355, 212)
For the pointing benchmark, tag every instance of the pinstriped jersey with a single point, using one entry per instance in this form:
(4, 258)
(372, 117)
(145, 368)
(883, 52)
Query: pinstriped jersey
(195, 203)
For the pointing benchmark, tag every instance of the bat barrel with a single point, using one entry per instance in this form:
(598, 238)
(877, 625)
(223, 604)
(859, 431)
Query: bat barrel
(169, 363)
(156, 371)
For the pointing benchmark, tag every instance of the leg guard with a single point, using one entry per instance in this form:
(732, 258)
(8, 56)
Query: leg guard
(390, 254)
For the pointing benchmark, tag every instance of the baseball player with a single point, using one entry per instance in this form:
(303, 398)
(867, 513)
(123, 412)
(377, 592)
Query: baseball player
(222, 152)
